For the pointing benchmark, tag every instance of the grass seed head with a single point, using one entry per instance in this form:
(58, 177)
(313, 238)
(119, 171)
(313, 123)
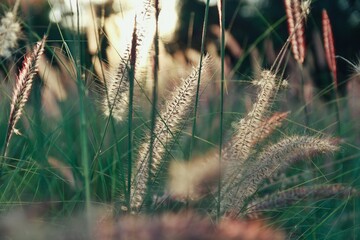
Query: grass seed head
(9, 33)
(23, 87)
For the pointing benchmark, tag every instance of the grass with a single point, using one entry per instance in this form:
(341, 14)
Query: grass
(207, 149)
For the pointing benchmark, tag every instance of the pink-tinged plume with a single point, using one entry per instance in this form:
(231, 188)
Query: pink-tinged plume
(23, 86)
(329, 45)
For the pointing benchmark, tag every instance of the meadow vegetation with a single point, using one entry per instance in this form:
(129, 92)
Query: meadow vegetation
(115, 128)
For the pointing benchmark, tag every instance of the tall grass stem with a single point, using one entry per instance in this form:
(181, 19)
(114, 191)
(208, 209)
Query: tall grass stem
(222, 81)
(202, 52)
(83, 124)
(131, 72)
(154, 95)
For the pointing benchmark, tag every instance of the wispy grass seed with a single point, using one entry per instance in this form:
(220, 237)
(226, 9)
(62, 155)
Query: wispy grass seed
(23, 87)
(9, 33)
(175, 111)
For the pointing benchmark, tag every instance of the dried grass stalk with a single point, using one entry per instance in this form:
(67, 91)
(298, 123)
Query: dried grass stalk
(115, 101)
(195, 179)
(269, 126)
(22, 88)
(329, 45)
(292, 196)
(247, 130)
(176, 111)
(295, 20)
(272, 160)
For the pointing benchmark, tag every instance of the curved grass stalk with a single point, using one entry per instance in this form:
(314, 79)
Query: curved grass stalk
(292, 196)
(275, 158)
(22, 89)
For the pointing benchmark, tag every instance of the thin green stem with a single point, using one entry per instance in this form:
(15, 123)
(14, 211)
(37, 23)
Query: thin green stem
(222, 50)
(254, 45)
(107, 124)
(83, 124)
(202, 51)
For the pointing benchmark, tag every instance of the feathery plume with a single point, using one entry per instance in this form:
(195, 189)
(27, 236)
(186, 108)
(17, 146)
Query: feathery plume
(22, 88)
(269, 126)
(329, 45)
(117, 79)
(192, 180)
(117, 84)
(177, 108)
(9, 33)
(273, 159)
(292, 196)
(296, 13)
(249, 129)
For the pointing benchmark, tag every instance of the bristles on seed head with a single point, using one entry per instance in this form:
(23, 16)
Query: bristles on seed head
(329, 45)
(176, 111)
(274, 159)
(248, 129)
(116, 95)
(23, 86)
(294, 195)
(9, 34)
(295, 18)
(270, 124)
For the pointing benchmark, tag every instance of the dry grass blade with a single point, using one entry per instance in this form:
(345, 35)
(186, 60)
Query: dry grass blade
(294, 13)
(22, 88)
(292, 196)
(329, 45)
